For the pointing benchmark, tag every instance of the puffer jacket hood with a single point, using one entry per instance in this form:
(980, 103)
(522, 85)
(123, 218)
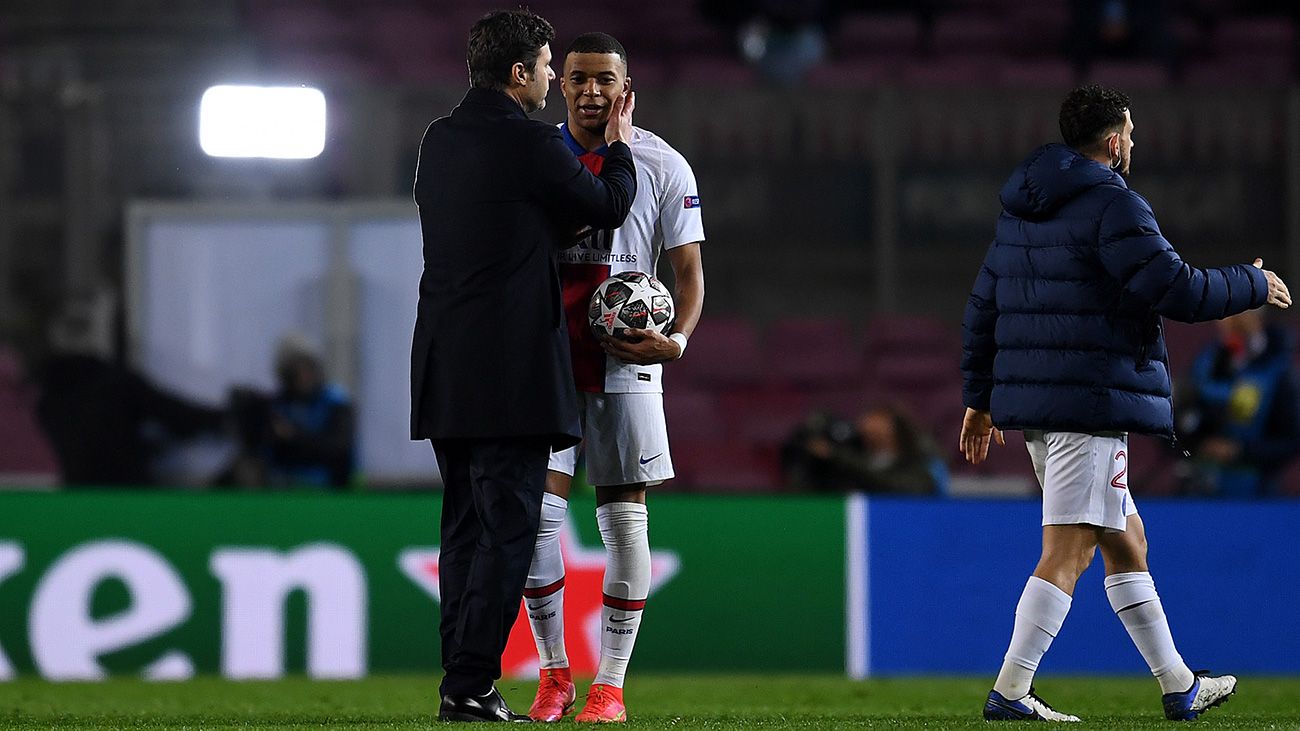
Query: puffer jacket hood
(1050, 177)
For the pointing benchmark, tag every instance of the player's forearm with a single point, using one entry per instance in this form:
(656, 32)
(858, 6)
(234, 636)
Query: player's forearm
(688, 298)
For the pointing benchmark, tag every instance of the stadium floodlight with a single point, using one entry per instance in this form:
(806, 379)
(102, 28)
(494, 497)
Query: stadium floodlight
(282, 122)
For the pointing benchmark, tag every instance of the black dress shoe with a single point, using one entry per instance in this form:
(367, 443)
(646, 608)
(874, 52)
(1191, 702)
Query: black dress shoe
(490, 707)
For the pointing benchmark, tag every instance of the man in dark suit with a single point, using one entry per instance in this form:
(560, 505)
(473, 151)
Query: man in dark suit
(491, 380)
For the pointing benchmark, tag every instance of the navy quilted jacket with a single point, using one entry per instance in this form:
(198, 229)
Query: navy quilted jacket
(1062, 330)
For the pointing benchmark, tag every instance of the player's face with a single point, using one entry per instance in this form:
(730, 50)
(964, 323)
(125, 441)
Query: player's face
(1121, 146)
(539, 82)
(591, 83)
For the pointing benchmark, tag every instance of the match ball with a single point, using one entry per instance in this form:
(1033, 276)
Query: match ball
(630, 300)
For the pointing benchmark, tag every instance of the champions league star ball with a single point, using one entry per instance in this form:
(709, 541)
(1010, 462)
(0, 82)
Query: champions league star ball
(630, 299)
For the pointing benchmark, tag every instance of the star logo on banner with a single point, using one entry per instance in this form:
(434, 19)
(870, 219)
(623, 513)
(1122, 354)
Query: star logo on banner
(584, 570)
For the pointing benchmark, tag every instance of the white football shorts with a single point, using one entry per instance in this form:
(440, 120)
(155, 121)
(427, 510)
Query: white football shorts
(625, 439)
(1084, 478)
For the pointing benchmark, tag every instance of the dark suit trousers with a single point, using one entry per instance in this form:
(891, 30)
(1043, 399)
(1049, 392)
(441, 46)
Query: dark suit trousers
(490, 509)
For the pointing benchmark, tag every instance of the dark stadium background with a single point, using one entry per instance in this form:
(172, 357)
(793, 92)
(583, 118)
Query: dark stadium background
(846, 212)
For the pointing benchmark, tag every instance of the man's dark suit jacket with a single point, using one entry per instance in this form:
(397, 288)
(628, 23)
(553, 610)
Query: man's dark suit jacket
(499, 194)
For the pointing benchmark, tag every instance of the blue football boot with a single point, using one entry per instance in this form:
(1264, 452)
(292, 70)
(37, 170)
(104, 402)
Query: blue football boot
(1029, 708)
(1207, 691)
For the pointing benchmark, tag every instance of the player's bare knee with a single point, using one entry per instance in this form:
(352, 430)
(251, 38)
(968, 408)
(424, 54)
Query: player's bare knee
(558, 483)
(1074, 563)
(1085, 559)
(621, 494)
(1125, 553)
(1064, 565)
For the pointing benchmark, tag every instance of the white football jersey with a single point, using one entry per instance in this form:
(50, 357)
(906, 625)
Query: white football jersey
(664, 215)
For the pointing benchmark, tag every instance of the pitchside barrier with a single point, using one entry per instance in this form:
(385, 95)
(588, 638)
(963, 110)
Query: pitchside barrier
(260, 585)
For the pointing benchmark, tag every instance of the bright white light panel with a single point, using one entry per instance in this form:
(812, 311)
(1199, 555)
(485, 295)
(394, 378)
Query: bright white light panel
(281, 122)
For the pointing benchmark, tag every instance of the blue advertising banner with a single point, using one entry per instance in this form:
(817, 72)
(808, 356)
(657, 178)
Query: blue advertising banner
(933, 587)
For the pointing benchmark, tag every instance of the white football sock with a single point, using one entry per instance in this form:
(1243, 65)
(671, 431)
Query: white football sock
(1134, 599)
(624, 529)
(544, 590)
(1039, 617)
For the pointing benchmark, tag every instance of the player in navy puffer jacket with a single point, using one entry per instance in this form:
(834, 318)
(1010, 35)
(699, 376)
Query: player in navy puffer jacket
(1063, 340)
(1062, 330)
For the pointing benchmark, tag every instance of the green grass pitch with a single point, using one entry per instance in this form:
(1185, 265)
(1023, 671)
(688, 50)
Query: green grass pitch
(659, 702)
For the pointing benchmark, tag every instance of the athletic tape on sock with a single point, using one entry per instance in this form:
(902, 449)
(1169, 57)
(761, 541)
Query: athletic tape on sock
(1045, 605)
(1128, 590)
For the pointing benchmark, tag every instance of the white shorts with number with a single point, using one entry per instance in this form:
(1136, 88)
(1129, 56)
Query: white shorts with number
(625, 438)
(1084, 478)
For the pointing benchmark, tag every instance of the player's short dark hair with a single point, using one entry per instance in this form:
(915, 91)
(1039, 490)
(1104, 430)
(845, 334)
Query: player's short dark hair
(598, 42)
(501, 39)
(1090, 113)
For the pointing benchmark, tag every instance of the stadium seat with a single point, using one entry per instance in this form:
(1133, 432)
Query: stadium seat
(326, 65)
(651, 73)
(693, 414)
(814, 351)
(854, 73)
(763, 417)
(300, 24)
(968, 33)
(877, 35)
(1009, 460)
(1036, 73)
(726, 466)
(938, 409)
(847, 401)
(712, 71)
(1129, 75)
(694, 42)
(911, 334)
(1185, 342)
(1037, 29)
(388, 30)
(1152, 465)
(722, 350)
(1254, 35)
(952, 71)
(1243, 70)
(900, 370)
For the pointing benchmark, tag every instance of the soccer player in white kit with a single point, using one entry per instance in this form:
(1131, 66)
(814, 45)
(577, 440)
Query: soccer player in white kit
(1063, 340)
(625, 437)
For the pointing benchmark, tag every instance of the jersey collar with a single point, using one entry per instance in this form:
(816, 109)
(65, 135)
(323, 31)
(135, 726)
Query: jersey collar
(578, 149)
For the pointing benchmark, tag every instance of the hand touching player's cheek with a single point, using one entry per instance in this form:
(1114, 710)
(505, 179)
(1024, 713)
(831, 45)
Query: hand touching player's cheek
(641, 347)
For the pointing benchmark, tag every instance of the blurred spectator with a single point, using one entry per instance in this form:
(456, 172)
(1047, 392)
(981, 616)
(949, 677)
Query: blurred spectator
(819, 434)
(882, 452)
(108, 424)
(784, 39)
(1238, 412)
(1129, 29)
(304, 435)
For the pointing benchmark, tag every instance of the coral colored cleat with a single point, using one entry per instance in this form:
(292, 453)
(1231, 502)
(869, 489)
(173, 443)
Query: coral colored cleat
(604, 705)
(556, 695)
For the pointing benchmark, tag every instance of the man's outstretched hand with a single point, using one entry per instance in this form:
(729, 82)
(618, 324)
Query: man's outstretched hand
(977, 431)
(1278, 295)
